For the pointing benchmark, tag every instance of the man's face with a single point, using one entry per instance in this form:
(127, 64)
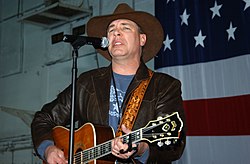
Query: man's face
(125, 40)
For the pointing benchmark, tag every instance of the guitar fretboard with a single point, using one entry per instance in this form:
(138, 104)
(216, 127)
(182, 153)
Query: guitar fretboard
(104, 148)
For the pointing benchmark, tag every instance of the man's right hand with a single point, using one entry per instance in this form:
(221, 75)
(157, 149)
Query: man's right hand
(54, 155)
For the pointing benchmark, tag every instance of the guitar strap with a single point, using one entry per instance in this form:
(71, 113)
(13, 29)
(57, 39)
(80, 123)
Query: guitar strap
(133, 106)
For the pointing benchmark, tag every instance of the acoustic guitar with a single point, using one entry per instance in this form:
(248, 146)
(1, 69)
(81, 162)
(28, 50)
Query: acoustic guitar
(92, 143)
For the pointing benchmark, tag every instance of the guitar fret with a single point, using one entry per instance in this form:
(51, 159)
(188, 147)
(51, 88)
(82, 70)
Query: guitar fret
(82, 157)
(135, 136)
(94, 153)
(98, 151)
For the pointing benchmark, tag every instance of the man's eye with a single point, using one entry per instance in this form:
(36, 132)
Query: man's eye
(126, 28)
(111, 30)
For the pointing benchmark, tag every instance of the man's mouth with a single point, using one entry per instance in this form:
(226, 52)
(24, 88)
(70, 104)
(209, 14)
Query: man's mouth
(117, 43)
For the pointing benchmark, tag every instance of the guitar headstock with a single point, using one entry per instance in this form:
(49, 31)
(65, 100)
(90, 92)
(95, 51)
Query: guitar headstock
(165, 130)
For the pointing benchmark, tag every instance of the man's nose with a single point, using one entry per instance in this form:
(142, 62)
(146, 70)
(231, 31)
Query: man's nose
(117, 32)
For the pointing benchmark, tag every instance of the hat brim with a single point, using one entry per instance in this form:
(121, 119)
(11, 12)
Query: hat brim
(97, 27)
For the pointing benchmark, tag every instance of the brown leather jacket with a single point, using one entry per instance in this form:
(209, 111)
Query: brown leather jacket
(163, 96)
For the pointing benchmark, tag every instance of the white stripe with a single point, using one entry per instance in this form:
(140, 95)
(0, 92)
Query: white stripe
(223, 78)
(216, 150)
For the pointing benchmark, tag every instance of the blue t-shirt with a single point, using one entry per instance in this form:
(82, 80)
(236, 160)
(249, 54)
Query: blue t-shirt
(121, 84)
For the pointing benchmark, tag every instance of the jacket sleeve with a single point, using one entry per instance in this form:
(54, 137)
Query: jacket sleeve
(52, 114)
(169, 101)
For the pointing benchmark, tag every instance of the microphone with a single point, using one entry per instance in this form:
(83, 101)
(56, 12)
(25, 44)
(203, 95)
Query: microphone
(81, 40)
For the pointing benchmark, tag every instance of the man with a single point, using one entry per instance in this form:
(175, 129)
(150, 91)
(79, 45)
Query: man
(103, 94)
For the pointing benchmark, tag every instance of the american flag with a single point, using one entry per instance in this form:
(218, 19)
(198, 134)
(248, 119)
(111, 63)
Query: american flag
(207, 47)
(203, 30)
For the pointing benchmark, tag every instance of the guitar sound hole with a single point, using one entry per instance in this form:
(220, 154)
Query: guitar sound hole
(78, 150)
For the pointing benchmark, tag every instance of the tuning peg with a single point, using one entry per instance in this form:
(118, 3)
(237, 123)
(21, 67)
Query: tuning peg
(159, 118)
(167, 142)
(160, 143)
(153, 134)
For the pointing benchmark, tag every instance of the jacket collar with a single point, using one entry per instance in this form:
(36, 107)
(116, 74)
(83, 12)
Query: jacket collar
(141, 74)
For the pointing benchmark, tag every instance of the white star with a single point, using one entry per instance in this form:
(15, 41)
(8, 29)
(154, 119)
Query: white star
(215, 9)
(247, 4)
(199, 39)
(231, 31)
(169, 0)
(167, 43)
(184, 17)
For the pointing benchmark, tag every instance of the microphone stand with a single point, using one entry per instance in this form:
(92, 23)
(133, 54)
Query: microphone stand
(76, 45)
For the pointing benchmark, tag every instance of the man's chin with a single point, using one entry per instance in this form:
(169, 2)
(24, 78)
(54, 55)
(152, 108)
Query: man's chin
(118, 55)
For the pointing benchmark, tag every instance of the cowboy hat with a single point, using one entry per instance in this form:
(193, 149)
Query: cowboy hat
(97, 27)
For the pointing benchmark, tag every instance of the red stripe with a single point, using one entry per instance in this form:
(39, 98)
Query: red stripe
(218, 116)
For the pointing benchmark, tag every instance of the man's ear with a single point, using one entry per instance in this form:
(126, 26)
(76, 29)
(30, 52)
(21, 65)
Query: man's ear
(143, 39)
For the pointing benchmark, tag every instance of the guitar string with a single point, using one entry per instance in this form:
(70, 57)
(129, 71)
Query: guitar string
(84, 155)
(105, 148)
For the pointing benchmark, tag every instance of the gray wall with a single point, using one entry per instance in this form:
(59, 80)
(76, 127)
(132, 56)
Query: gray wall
(33, 71)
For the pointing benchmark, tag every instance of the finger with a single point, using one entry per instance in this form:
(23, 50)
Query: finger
(61, 160)
(125, 129)
(115, 146)
(122, 147)
(115, 143)
(61, 155)
(131, 150)
(126, 155)
(115, 151)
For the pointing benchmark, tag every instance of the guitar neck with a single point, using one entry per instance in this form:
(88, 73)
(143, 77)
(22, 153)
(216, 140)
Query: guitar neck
(105, 148)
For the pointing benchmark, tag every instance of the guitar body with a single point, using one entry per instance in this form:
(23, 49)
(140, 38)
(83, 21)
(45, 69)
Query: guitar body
(87, 136)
